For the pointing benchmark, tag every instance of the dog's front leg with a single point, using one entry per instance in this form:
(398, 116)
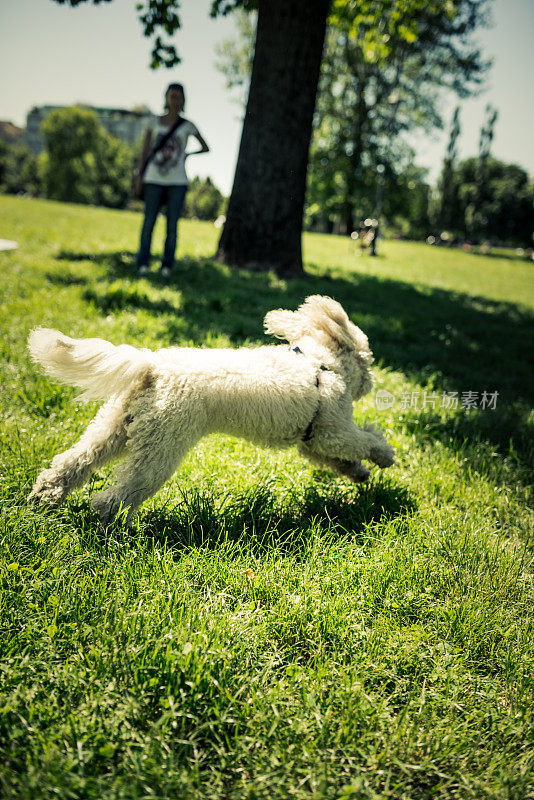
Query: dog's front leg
(380, 452)
(350, 445)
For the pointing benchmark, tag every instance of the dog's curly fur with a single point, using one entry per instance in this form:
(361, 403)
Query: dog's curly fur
(159, 404)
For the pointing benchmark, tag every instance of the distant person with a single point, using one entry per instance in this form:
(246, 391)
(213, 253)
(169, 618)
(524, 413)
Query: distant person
(366, 235)
(161, 177)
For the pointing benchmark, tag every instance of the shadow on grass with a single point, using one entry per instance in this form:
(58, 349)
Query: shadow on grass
(500, 446)
(257, 520)
(117, 261)
(465, 343)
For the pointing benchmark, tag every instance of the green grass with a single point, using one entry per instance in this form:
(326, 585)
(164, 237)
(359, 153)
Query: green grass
(267, 630)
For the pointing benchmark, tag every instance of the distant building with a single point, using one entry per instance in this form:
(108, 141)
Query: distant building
(123, 123)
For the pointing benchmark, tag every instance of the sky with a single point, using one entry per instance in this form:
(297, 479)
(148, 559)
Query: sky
(57, 55)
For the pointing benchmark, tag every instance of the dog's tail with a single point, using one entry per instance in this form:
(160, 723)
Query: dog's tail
(98, 367)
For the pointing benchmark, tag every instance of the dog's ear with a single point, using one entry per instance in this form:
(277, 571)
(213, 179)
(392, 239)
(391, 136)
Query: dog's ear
(327, 316)
(283, 324)
(323, 315)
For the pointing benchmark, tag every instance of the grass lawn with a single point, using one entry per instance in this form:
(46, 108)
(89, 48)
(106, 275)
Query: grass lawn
(267, 630)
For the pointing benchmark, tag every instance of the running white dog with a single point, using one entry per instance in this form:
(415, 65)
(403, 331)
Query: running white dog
(159, 404)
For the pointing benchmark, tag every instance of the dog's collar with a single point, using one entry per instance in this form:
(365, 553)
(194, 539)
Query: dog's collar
(322, 367)
(308, 433)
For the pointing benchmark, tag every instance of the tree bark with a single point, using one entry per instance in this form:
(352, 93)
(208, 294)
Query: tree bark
(264, 217)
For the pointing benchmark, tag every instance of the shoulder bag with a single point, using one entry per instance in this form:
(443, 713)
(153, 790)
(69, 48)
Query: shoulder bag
(138, 179)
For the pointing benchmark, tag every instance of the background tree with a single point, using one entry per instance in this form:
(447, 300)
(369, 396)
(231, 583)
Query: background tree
(19, 171)
(383, 78)
(507, 207)
(114, 163)
(405, 204)
(264, 218)
(479, 220)
(203, 200)
(83, 163)
(448, 201)
(71, 138)
(385, 66)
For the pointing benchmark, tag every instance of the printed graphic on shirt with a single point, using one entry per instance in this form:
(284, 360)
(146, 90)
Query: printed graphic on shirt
(169, 155)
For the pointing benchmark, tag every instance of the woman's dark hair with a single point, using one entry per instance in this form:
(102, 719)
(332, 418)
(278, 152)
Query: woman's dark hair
(174, 86)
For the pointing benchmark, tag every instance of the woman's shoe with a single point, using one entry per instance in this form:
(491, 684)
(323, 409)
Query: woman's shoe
(165, 272)
(142, 270)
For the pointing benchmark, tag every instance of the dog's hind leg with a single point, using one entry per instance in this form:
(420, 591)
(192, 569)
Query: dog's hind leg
(154, 455)
(103, 440)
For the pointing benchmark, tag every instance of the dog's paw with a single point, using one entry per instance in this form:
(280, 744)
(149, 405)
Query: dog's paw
(105, 506)
(354, 471)
(358, 474)
(382, 454)
(46, 493)
(109, 508)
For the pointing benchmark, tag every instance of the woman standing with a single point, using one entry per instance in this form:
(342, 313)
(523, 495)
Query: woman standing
(163, 175)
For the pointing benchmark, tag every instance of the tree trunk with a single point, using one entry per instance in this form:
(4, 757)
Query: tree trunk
(264, 217)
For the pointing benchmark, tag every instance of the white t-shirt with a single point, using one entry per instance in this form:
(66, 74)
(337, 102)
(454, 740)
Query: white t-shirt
(167, 167)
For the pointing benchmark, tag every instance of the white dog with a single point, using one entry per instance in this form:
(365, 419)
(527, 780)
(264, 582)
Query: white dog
(159, 404)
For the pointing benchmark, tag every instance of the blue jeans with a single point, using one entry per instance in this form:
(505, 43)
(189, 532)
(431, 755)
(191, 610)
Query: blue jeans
(154, 195)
